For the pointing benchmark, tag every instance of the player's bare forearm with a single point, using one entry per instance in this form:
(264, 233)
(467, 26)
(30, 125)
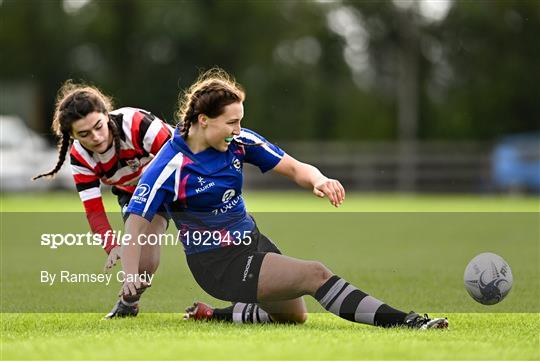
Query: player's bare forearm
(309, 176)
(131, 253)
(303, 174)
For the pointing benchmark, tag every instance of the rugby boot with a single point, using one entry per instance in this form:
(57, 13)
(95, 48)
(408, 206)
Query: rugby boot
(121, 310)
(416, 321)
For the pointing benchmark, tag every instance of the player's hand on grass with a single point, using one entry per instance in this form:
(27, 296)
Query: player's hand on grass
(132, 288)
(112, 258)
(332, 189)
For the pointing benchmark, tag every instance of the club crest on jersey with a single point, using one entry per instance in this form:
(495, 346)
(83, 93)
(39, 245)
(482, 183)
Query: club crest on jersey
(237, 165)
(134, 164)
(140, 193)
(227, 195)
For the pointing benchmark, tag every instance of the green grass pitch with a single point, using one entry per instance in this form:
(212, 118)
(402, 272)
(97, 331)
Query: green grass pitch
(407, 250)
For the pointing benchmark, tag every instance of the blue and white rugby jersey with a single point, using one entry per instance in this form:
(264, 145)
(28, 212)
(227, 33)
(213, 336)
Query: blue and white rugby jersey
(203, 191)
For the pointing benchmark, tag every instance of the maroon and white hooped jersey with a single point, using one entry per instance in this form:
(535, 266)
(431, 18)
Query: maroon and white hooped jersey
(141, 136)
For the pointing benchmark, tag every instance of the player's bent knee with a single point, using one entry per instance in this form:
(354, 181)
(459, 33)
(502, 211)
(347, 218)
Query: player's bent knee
(301, 318)
(320, 272)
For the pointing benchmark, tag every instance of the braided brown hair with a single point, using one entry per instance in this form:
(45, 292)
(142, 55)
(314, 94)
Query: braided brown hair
(73, 102)
(209, 95)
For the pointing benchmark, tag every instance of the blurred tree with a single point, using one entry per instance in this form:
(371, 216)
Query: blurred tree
(492, 51)
(476, 66)
(312, 70)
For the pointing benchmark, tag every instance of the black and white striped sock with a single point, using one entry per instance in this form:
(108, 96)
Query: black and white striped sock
(348, 302)
(250, 313)
(243, 313)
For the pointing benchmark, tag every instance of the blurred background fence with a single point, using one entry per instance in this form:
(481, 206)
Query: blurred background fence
(388, 166)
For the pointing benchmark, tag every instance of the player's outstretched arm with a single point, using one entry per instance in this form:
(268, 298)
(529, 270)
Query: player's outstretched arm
(309, 176)
(131, 254)
(112, 258)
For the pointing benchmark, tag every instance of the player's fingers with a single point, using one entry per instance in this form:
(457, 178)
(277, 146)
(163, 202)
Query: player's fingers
(337, 191)
(331, 194)
(107, 266)
(341, 191)
(137, 285)
(318, 192)
(124, 290)
(143, 287)
(330, 197)
(132, 289)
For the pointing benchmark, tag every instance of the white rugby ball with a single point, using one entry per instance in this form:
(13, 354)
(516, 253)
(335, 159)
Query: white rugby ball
(488, 278)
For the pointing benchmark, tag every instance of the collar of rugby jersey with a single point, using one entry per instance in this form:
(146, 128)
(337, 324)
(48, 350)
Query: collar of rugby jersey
(210, 160)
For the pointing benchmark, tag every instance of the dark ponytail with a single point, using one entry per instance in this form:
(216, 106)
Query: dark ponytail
(188, 119)
(63, 146)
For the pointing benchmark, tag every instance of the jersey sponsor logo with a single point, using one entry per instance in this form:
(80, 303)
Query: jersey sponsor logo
(228, 195)
(246, 270)
(205, 187)
(140, 193)
(134, 164)
(228, 206)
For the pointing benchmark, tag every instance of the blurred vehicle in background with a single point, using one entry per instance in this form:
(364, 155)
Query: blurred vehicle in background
(23, 155)
(516, 163)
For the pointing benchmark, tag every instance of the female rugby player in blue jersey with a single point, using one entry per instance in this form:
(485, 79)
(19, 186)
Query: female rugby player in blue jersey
(112, 147)
(198, 176)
